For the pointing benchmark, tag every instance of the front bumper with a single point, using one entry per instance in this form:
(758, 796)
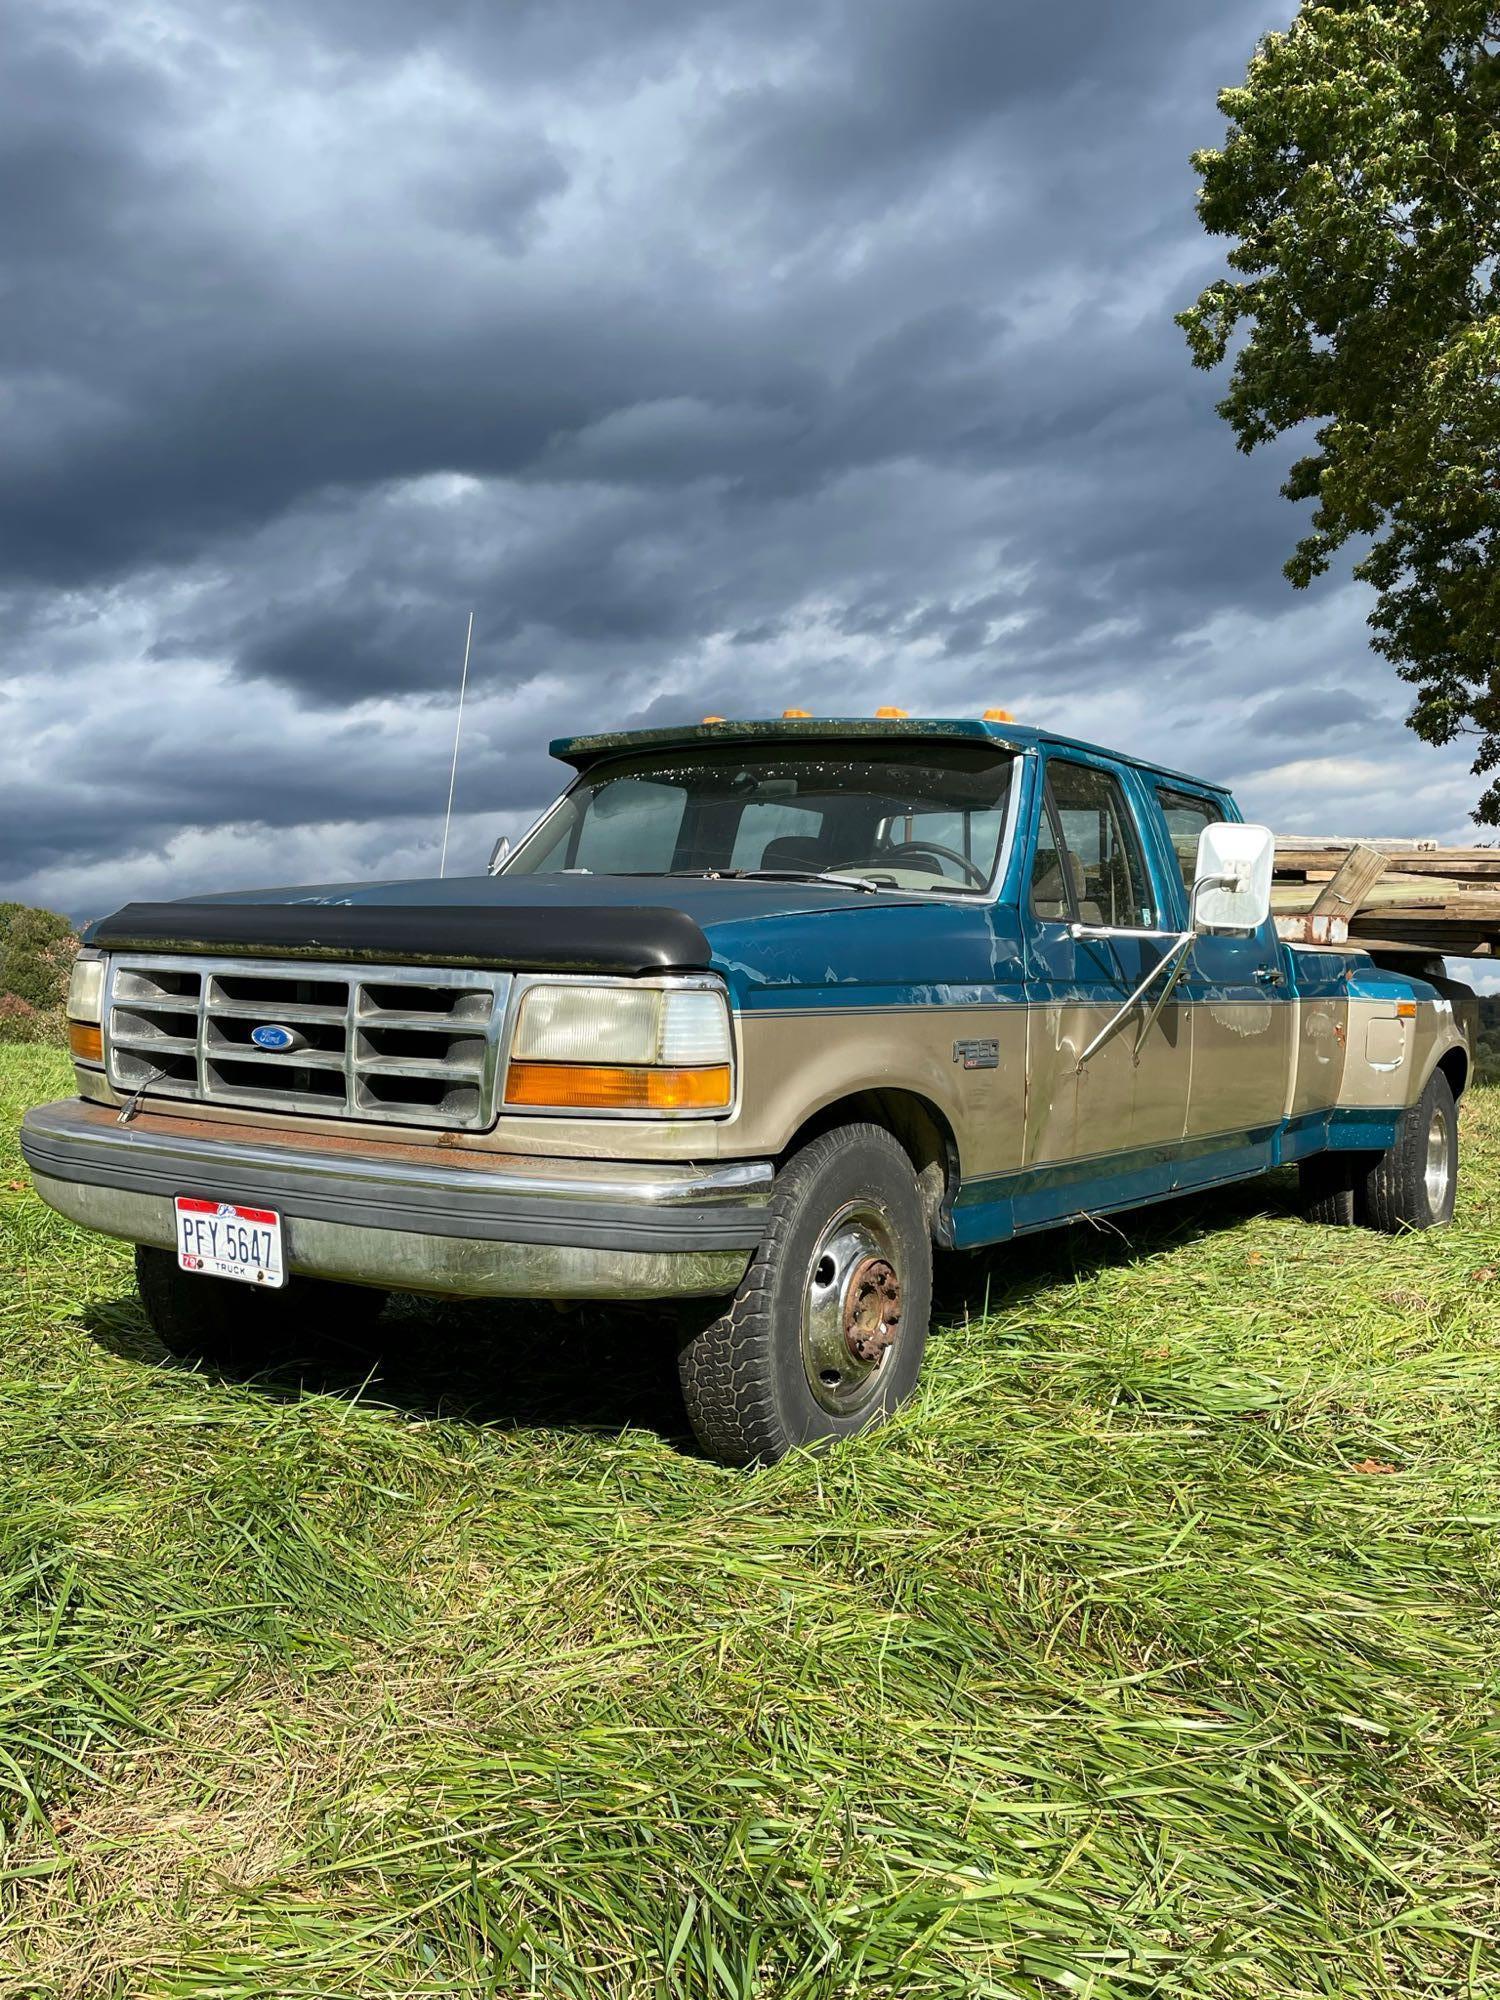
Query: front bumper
(480, 1227)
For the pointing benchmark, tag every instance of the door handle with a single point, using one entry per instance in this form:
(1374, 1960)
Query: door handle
(1269, 975)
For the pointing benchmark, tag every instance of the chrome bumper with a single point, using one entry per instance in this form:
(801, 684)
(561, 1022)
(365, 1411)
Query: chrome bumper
(522, 1229)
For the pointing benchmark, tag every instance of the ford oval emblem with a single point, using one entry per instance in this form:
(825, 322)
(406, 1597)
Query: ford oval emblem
(275, 1037)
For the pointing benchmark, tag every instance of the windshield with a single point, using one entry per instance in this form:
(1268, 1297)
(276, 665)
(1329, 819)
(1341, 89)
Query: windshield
(909, 816)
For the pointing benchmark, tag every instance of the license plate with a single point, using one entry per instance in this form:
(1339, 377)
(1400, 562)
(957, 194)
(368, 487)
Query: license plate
(222, 1240)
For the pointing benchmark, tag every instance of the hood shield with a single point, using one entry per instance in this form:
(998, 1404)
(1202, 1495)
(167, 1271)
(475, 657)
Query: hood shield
(531, 938)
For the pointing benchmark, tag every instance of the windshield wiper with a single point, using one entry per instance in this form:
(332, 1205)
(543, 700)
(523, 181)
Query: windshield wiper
(838, 881)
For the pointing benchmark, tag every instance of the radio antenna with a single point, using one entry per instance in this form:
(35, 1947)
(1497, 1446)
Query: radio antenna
(458, 731)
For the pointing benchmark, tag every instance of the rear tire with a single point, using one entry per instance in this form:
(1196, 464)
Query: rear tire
(1409, 1186)
(1412, 1186)
(825, 1335)
(240, 1328)
(1331, 1184)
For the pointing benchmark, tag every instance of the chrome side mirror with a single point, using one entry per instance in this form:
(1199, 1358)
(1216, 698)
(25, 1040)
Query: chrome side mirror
(499, 854)
(1232, 881)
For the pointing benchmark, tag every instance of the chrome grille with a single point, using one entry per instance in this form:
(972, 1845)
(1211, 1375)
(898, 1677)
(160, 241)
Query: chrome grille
(404, 1045)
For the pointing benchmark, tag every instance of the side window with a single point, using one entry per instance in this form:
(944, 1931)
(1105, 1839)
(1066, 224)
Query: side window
(1100, 862)
(1186, 815)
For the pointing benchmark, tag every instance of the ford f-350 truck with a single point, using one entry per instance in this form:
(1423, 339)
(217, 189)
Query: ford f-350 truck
(755, 1015)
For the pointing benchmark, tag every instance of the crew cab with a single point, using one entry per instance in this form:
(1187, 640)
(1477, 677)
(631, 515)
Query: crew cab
(754, 1016)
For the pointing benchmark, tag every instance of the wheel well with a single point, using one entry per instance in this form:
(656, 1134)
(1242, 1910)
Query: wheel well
(1454, 1063)
(915, 1123)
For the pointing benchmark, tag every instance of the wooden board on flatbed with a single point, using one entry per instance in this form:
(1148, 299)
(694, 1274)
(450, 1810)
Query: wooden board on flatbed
(1405, 895)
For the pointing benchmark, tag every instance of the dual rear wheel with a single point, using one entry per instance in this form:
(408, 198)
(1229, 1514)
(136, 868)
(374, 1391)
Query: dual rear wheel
(1410, 1186)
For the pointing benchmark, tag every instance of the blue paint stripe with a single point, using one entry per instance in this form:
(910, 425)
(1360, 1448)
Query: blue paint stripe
(998, 1206)
(862, 998)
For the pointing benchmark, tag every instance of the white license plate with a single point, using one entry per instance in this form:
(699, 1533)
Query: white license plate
(222, 1240)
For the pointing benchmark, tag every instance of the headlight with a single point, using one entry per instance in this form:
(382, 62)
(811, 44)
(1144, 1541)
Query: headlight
(86, 988)
(621, 1048)
(85, 1004)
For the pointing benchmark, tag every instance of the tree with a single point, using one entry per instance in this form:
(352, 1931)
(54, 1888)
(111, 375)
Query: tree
(1360, 179)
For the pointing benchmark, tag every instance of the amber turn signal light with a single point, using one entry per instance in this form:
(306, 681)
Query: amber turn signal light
(595, 1087)
(86, 1040)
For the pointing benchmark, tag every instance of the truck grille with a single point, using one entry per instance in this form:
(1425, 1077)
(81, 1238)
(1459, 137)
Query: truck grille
(405, 1045)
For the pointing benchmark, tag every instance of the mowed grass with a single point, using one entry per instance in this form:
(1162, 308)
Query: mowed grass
(1152, 1652)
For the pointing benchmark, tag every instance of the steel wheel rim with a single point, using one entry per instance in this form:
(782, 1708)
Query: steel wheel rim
(1435, 1172)
(851, 1307)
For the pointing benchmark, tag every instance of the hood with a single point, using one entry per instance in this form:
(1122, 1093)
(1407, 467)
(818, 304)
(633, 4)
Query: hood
(617, 924)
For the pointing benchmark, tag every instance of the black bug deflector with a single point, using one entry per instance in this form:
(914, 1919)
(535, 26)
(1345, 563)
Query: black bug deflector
(531, 938)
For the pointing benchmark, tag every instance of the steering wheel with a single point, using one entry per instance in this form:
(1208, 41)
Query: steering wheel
(893, 854)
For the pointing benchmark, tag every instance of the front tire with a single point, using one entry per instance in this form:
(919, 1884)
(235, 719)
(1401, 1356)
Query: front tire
(240, 1328)
(825, 1335)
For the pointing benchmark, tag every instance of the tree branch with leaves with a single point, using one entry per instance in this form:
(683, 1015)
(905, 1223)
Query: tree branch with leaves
(1360, 183)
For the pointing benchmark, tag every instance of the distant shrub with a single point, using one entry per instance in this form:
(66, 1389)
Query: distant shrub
(1487, 1055)
(37, 950)
(21, 1022)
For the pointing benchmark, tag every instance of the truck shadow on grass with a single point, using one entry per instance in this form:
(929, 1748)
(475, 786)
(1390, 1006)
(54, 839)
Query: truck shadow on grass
(605, 1367)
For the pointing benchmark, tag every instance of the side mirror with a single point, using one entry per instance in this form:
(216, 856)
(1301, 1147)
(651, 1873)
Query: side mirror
(499, 854)
(1232, 883)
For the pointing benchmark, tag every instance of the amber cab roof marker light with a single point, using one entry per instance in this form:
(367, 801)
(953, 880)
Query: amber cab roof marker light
(796, 715)
(998, 715)
(891, 714)
(705, 720)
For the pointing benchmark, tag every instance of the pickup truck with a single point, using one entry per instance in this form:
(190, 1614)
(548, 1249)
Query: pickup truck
(756, 1015)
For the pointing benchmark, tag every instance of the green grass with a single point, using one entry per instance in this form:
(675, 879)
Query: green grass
(1106, 1670)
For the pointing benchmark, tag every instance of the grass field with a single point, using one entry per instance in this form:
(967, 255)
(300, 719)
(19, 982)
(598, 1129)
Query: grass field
(1153, 1652)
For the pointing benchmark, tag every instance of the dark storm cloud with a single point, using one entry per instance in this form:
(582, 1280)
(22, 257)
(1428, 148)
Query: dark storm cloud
(1317, 711)
(891, 88)
(716, 353)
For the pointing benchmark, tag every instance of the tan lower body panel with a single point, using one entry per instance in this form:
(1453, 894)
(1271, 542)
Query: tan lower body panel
(1003, 1077)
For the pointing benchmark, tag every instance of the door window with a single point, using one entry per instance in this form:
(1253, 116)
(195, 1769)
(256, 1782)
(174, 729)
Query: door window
(1089, 866)
(1186, 815)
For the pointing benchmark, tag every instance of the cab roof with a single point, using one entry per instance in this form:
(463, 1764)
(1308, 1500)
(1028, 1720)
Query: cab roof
(583, 751)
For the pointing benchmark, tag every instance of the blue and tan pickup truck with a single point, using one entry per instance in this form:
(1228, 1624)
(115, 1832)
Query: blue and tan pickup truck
(755, 1015)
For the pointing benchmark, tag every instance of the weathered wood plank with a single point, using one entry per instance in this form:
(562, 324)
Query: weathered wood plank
(1304, 856)
(1351, 884)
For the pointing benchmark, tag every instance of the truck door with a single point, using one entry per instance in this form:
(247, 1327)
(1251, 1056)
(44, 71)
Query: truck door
(1090, 872)
(1241, 1004)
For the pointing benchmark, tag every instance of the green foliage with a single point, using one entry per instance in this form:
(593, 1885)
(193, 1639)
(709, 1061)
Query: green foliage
(1152, 1652)
(1487, 1049)
(1360, 181)
(37, 949)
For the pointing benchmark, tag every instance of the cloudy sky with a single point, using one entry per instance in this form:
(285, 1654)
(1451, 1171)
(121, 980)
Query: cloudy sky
(721, 355)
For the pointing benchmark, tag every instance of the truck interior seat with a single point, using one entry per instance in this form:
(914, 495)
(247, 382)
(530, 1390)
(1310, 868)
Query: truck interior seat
(1049, 898)
(794, 850)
